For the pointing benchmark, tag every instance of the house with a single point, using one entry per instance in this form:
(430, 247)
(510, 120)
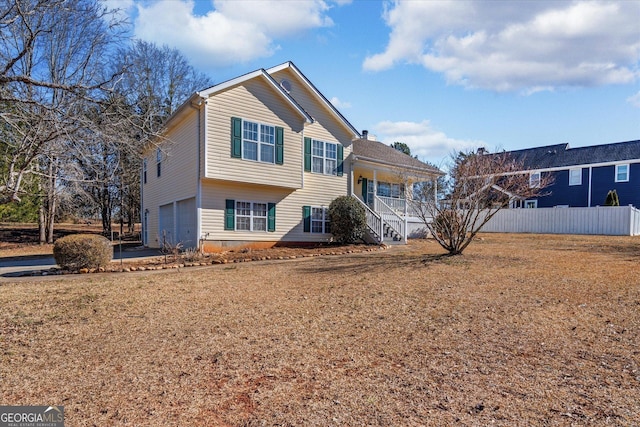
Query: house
(583, 176)
(255, 161)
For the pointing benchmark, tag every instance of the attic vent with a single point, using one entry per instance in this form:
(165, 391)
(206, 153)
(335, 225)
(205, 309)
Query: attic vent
(286, 85)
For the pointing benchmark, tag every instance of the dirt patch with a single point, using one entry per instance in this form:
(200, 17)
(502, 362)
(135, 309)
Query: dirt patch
(521, 330)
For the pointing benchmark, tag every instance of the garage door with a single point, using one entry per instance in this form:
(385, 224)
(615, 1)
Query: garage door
(166, 224)
(186, 223)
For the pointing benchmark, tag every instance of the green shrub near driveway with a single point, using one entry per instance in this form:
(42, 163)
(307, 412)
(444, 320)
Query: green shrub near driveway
(82, 251)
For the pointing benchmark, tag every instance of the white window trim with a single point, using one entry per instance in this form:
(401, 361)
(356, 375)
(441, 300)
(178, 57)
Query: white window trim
(252, 216)
(324, 220)
(392, 185)
(579, 172)
(628, 172)
(324, 157)
(534, 202)
(533, 183)
(259, 142)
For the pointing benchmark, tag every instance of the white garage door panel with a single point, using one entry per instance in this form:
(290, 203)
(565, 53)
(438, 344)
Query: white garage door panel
(186, 223)
(166, 224)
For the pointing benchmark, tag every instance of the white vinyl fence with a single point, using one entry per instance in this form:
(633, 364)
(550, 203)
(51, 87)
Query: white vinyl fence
(613, 221)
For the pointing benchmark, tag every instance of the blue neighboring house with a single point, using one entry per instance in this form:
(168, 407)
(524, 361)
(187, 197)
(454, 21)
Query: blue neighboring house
(583, 176)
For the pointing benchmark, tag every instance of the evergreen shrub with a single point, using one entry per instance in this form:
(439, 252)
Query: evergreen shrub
(348, 219)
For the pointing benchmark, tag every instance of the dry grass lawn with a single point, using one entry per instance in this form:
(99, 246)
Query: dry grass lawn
(521, 330)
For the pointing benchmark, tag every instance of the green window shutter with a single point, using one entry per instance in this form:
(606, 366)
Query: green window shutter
(279, 145)
(340, 160)
(271, 217)
(307, 154)
(306, 218)
(364, 189)
(230, 215)
(236, 137)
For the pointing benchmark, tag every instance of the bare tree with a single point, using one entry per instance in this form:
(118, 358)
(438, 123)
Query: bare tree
(52, 54)
(156, 82)
(478, 186)
(52, 57)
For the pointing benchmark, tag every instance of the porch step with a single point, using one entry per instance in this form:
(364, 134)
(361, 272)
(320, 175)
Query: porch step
(390, 241)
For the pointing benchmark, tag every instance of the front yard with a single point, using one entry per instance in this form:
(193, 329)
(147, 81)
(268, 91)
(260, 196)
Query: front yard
(521, 330)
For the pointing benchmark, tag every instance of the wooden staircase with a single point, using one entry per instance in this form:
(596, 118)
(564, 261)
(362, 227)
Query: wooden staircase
(385, 225)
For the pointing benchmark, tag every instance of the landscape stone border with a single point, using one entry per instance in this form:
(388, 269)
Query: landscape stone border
(117, 268)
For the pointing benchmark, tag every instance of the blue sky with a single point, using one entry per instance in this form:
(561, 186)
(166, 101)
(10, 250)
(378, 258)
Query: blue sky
(437, 75)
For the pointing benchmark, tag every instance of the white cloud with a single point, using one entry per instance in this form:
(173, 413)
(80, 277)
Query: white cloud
(234, 31)
(339, 104)
(634, 100)
(425, 142)
(526, 46)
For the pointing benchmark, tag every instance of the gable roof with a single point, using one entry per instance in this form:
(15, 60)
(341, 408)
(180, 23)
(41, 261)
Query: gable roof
(377, 152)
(261, 73)
(560, 155)
(319, 96)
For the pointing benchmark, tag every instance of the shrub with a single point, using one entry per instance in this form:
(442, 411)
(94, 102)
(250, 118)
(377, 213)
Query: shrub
(448, 225)
(348, 219)
(82, 251)
(612, 199)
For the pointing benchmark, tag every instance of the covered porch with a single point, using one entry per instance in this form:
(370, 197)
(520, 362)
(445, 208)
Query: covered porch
(383, 179)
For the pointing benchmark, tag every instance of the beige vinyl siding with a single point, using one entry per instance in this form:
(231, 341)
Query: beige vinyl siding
(179, 171)
(326, 127)
(320, 191)
(255, 101)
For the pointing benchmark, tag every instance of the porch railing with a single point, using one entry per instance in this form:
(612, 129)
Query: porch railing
(398, 205)
(391, 218)
(374, 221)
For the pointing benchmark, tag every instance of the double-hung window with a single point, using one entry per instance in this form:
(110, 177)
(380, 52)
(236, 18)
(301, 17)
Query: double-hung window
(144, 171)
(158, 162)
(622, 173)
(320, 220)
(324, 157)
(534, 179)
(258, 142)
(575, 176)
(251, 216)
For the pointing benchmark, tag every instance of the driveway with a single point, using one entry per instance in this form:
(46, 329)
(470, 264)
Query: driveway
(21, 265)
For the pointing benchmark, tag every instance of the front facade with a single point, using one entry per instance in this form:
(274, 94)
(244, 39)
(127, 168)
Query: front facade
(253, 161)
(583, 176)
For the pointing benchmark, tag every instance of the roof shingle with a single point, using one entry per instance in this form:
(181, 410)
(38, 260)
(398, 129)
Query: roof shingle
(560, 155)
(367, 149)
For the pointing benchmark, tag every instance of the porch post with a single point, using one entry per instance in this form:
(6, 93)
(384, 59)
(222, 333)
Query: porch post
(406, 221)
(375, 191)
(435, 190)
(351, 183)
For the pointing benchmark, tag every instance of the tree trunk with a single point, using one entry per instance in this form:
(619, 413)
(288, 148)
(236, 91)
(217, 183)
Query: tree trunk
(41, 224)
(105, 213)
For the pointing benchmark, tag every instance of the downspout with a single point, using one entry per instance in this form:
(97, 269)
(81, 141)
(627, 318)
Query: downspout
(406, 221)
(589, 195)
(199, 174)
(142, 224)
